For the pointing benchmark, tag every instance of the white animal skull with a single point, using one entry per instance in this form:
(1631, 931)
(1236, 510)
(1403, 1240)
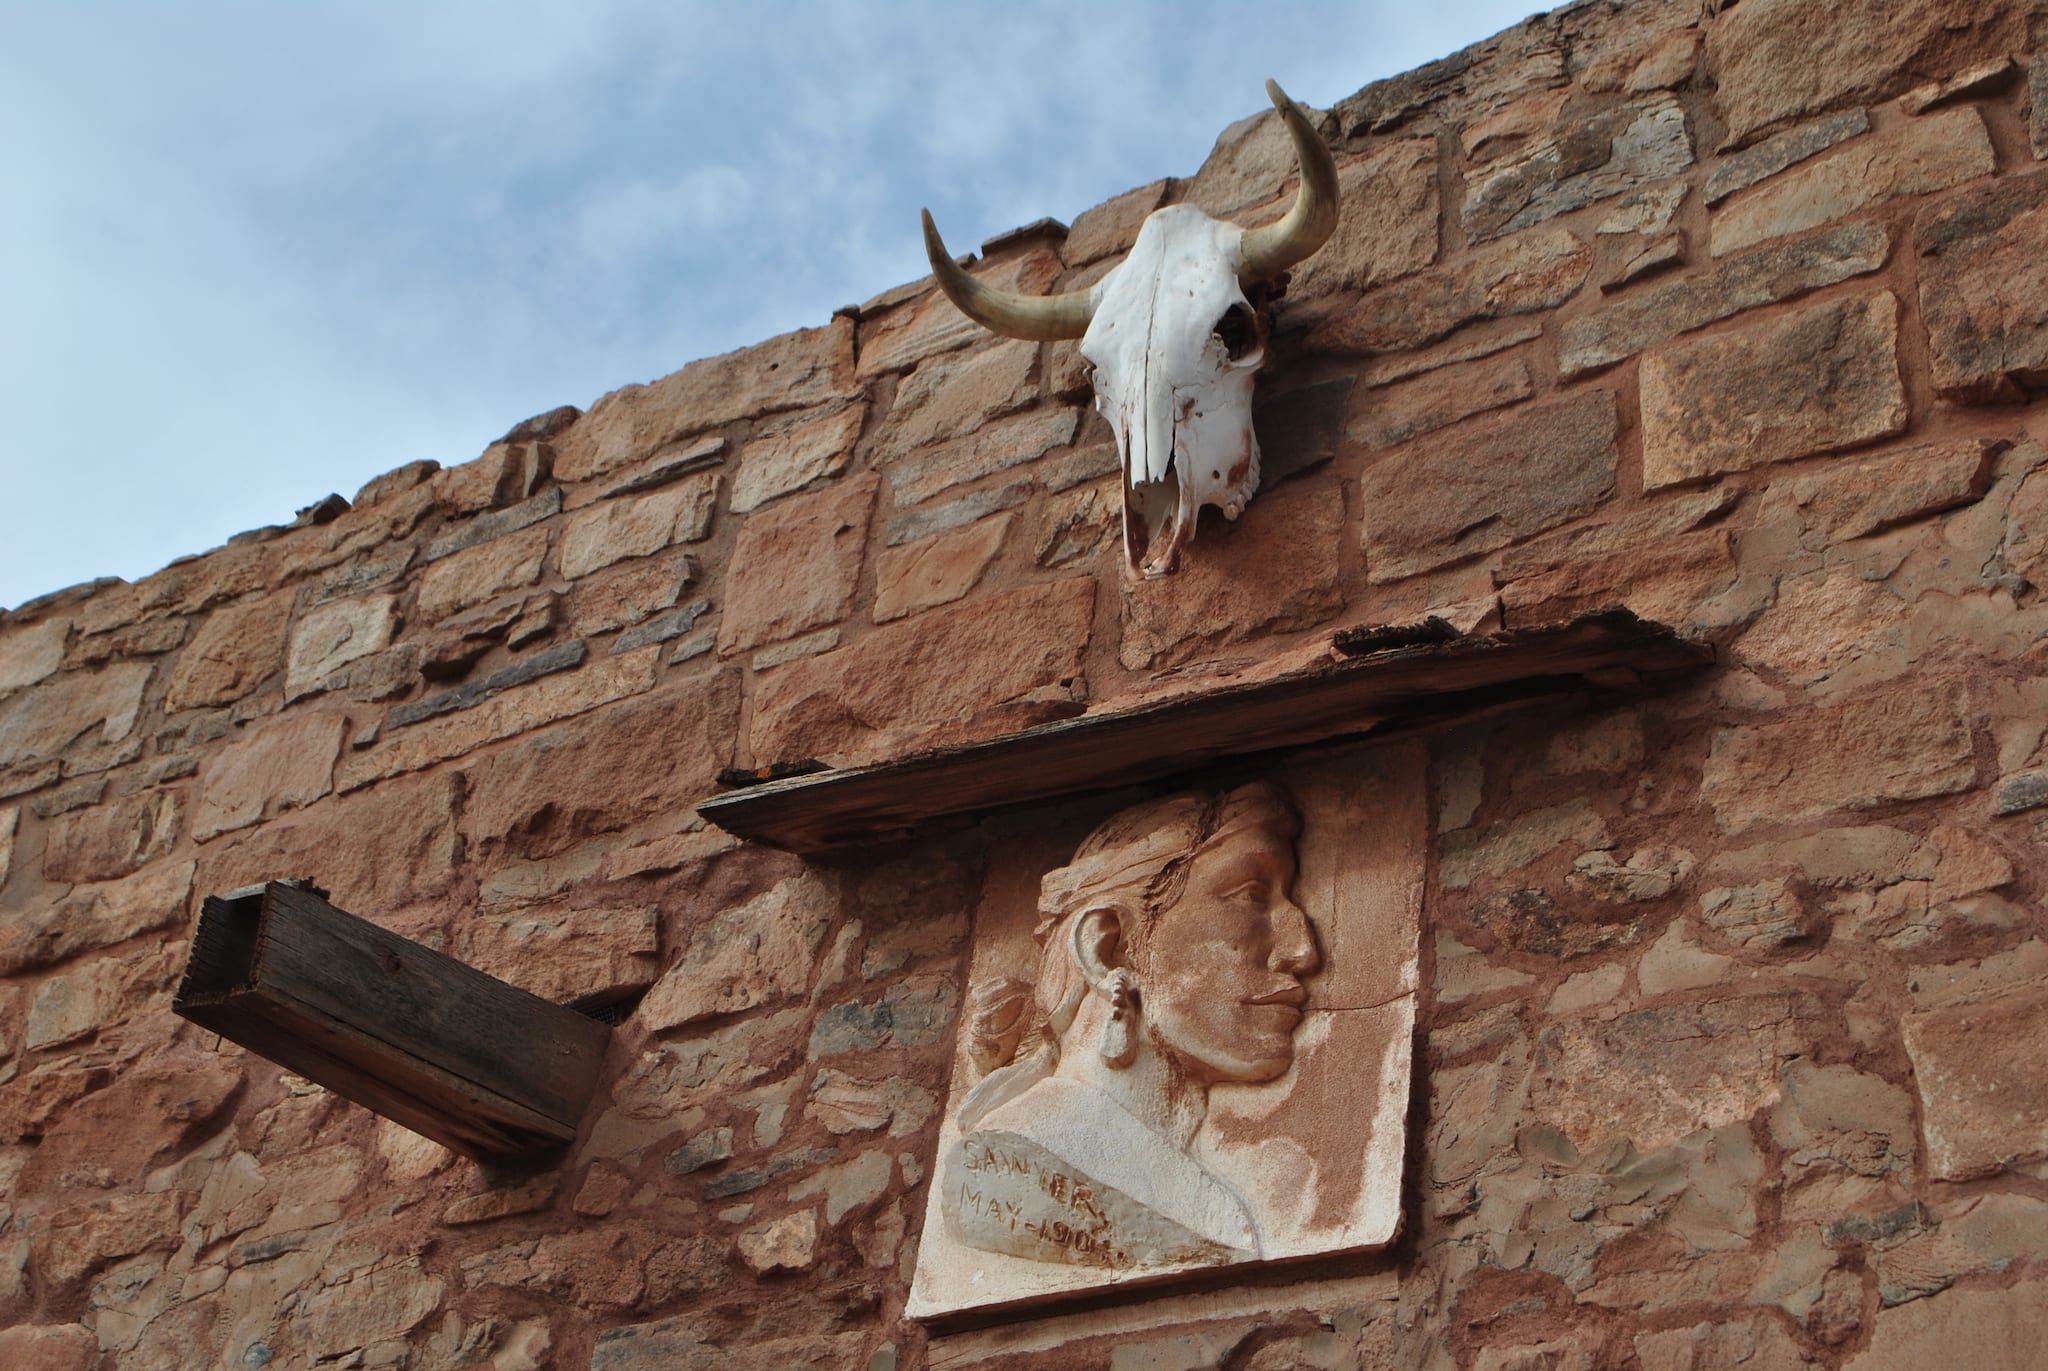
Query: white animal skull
(1174, 343)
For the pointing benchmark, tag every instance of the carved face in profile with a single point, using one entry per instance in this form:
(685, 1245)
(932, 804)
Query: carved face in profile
(1221, 967)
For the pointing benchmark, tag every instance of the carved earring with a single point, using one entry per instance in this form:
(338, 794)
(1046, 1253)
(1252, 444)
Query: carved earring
(1120, 1038)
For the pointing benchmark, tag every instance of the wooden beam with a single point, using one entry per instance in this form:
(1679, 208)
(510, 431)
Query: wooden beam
(475, 1064)
(1378, 681)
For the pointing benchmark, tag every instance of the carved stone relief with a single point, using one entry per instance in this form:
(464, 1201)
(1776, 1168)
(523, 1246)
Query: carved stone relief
(1187, 1038)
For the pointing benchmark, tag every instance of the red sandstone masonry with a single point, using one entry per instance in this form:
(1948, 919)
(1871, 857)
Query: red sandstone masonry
(1732, 1048)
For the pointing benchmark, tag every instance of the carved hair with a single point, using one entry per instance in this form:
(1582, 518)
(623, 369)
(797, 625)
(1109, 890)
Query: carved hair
(1136, 862)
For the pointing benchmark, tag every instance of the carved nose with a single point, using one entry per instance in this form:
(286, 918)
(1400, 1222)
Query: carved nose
(1294, 942)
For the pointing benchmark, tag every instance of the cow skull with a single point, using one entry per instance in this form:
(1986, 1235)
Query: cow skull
(1174, 343)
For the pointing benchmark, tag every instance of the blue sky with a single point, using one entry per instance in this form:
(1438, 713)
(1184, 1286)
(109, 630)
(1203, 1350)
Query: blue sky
(256, 252)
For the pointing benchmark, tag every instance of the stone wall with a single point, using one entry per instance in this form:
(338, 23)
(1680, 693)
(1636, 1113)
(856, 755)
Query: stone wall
(1738, 996)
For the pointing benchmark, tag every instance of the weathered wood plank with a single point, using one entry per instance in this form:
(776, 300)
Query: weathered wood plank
(481, 1066)
(1385, 688)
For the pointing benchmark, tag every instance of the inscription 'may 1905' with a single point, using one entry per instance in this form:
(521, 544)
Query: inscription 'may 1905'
(1088, 1239)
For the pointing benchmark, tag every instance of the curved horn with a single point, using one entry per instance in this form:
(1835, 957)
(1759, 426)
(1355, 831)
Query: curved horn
(1271, 250)
(1041, 318)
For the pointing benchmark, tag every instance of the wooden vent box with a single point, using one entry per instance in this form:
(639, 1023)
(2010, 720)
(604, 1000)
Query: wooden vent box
(480, 1066)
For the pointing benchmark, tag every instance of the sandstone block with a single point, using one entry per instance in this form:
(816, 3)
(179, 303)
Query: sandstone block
(280, 767)
(95, 916)
(508, 472)
(629, 593)
(1496, 850)
(1530, 272)
(1817, 380)
(1642, 144)
(1669, 62)
(1079, 522)
(846, 1103)
(1638, 529)
(1837, 1116)
(1273, 570)
(375, 853)
(80, 794)
(922, 523)
(1761, 276)
(1984, 289)
(49, 1347)
(1852, 500)
(43, 720)
(1903, 745)
(759, 953)
(74, 1003)
(1471, 489)
(332, 636)
(29, 654)
(789, 1243)
(1248, 164)
(1113, 225)
(1711, 1346)
(777, 463)
(528, 1197)
(797, 566)
(10, 822)
(1973, 1064)
(1000, 446)
(903, 336)
(849, 1185)
(153, 1111)
(86, 1237)
(560, 954)
(475, 574)
(1435, 401)
(1463, 973)
(1389, 227)
(2037, 106)
(112, 840)
(1511, 129)
(1784, 59)
(1669, 582)
(613, 530)
(664, 628)
(1744, 169)
(360, 1308)
(957, 393)
(150, 638)
(706, 1148)
(933, 673)
(1985, 1330)
(936, 571)
(1761, 916)
(1924, 155)
(550, 790)
(795, 371)
(522, 670)
(484, 528)
(502, 715)
(1657, 1075)
(913, 1013)
(1829, 628)
(32, 1103)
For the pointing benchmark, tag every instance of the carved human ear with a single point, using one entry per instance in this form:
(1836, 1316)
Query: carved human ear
(1098, 950)
(1096, 943)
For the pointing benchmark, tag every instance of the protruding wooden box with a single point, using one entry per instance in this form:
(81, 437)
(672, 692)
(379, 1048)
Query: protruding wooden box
(460, 1056)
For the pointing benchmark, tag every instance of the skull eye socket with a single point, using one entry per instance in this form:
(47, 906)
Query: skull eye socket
(1238, 331)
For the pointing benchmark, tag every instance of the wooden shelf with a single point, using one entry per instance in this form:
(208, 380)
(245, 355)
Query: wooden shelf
(1377, 681)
